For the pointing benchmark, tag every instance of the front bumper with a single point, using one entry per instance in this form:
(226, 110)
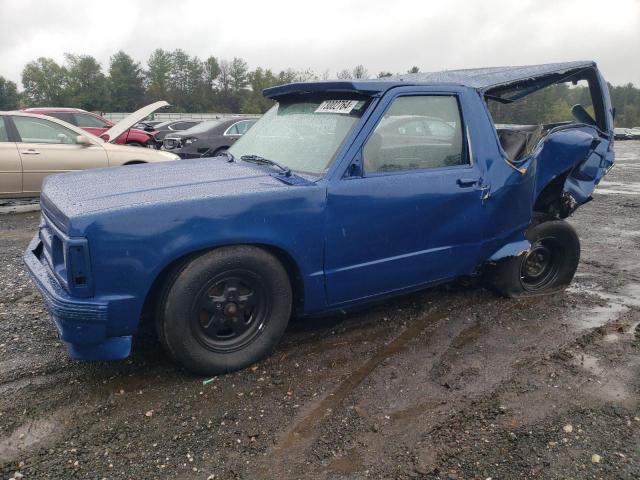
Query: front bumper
(81, 323)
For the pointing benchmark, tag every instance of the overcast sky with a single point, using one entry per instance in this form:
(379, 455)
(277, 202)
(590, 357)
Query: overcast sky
(380, 34)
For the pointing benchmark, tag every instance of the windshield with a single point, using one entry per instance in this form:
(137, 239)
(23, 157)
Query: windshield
(201, 127)
(303, 135)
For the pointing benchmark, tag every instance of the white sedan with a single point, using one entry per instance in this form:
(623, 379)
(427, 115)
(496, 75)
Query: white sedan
(33, 146)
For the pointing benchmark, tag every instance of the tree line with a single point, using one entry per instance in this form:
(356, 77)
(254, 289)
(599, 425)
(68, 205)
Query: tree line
(553, 104)
(190, 84)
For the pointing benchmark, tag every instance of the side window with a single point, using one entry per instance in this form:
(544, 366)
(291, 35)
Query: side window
(244, 126)
(183, 125)
(417, 132)
(4, 136)
(232, 130)
(39, 130)
(64, 116)
(84, 120)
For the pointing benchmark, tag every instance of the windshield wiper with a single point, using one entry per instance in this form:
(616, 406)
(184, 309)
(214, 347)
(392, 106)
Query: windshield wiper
(257, 159)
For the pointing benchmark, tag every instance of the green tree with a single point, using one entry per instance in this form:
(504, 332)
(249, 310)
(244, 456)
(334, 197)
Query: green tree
(209, 95)
(414, 69)
(87, 86)
(157, 75)
(232, 83)
(8, 94)
(287, 76)
(254, 101)
(626, 101)
(44, 83)
(238, 75)
(186, 81)
(211, 72)
(125, 83)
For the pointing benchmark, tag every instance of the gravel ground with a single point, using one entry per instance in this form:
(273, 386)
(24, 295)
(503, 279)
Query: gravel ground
(451, 383)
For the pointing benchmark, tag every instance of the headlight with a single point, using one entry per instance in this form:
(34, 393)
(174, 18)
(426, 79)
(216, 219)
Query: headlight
(190, 140)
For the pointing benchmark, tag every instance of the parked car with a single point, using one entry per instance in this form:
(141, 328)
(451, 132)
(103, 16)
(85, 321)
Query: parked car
(148, 125)
(33, 146)
(97, 125)
(622, 134)
(207, 139)
(165, 128)
(319, 207)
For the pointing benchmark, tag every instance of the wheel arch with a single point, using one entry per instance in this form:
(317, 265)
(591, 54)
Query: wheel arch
(551, 199)
(169, 269)
(221, 148)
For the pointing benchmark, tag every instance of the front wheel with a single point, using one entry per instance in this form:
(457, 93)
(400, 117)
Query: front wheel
(224, 310)
(220, 151)
(548, 266)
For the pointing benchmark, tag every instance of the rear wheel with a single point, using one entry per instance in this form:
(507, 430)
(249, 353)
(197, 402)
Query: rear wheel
(548, 266)
(225, 309)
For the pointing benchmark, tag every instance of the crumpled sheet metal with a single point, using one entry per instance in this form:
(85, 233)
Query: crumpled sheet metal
(486, 78)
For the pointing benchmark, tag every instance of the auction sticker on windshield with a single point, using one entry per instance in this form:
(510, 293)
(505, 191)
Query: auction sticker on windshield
(337, 106)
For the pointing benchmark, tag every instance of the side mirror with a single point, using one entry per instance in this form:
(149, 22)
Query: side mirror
(355, 168)
(82, 140)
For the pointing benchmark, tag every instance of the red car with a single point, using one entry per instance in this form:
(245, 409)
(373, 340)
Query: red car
(97, 125)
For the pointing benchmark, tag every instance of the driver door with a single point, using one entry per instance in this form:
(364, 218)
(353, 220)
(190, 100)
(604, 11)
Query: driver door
(47, 148)
(415, 216)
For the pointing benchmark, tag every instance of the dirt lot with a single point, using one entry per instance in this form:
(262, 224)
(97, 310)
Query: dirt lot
(453, 383)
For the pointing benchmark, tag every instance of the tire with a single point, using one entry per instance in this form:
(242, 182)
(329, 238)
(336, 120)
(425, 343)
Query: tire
(548, 267)
(219, 151)
(224, 310)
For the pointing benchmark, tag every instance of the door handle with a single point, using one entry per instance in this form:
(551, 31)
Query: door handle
(466, 182)
(30, 151)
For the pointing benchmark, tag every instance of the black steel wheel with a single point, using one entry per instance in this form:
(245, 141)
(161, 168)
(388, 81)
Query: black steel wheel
(548, 266)
(224, 310)
(230, 311)
(540, 265)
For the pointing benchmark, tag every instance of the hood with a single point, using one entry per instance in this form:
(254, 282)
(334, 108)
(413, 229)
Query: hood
(78, 193)
(130, 120)
(123, 153)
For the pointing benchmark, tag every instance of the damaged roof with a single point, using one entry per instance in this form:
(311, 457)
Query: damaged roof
(482, 79)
